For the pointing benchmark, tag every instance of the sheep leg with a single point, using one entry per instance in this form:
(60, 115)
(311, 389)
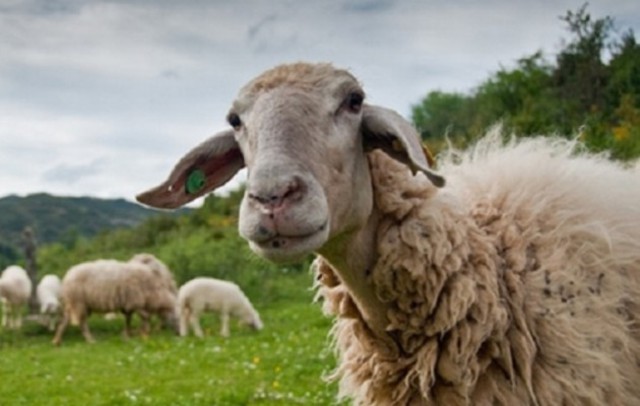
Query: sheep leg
(145, 328)
(185, 313)
(84, 327)
(127, 324)
(17, 314)
(57, 338)
(5, 314)
(10, 317)
(224, 320)
(194, 319)
(52, 322)
(13, 316)
(7, 317)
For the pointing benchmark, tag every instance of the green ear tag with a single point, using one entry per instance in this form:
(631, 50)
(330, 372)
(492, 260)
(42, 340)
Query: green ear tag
(195, 181)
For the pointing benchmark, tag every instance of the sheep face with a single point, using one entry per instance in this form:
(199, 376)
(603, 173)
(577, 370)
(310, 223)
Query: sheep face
(170, 319)
(251, 318)
(304, 152)
(302, 131)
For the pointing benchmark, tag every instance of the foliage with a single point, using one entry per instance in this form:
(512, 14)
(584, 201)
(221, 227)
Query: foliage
(61, 219)
(582, 92)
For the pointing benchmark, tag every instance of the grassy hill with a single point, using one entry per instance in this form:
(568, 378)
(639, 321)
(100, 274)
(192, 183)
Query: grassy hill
(61, 219)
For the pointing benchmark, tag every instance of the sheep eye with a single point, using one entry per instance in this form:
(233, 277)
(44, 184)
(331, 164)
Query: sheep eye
(234, 120)
(354, 102)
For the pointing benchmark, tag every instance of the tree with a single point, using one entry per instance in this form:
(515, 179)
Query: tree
(520, 97)
(8, 255)
(30, 249)
(439, 114)
(579, 91)
(580, 76)
(624, 71)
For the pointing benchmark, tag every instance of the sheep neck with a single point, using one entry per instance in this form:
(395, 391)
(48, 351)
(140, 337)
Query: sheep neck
(352, 256)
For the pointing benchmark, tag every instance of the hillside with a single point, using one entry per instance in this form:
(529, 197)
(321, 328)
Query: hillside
(61, 219)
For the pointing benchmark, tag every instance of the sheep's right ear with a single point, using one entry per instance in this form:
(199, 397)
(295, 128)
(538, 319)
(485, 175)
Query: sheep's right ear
(206, 167)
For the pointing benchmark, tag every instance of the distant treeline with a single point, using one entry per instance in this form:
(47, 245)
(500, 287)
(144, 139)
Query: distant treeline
(60, 219)
(591, 89)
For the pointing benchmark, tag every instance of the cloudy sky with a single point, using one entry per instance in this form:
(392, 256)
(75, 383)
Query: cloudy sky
(100, 98)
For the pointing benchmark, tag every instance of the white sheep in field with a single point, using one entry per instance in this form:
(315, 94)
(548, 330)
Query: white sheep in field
(209, 294)
(104, 286)
(15, 291)
(517, 283)
(48, 295)
(167, 277)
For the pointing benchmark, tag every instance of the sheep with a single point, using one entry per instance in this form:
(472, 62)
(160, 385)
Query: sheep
(204, 293)
(15, 291)
(169, 319)
(515, 283)
(162, 270)
(48, 294)
(106, 285)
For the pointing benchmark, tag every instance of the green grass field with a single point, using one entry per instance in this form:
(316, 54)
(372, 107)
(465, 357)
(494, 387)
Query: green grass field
(280, 365)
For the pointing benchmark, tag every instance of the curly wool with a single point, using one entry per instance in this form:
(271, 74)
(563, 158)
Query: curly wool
(518, 283)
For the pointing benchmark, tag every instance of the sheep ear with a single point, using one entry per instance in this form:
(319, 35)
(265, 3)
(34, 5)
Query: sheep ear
(385, 129)
(206, 167)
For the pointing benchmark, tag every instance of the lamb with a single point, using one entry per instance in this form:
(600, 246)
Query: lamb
(48, 294)
(516, 283)
(108, 285)
(15, 291)
(203, 293)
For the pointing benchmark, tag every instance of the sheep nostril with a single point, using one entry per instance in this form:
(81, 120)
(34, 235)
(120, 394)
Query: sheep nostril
(279, 198)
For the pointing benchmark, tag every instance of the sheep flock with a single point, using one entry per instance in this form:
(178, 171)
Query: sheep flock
(143, 286)
(509, 276)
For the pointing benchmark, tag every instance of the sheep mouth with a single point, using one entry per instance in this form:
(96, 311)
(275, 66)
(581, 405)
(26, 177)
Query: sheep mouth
(287, 248)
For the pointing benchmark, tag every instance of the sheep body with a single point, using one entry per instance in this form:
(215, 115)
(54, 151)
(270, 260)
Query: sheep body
(210, 294)
(15, 291)
(48, 294)
(517, 283)
(104, 286)
(159, 268)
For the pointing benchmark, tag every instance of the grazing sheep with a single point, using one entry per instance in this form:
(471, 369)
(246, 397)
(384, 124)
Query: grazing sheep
(48, 294)
(168, 282)
(518, 283)
(202, 294)
(104, 286)
(15, 291)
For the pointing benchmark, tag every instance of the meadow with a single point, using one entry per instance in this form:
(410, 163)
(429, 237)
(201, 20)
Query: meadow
(283, 364)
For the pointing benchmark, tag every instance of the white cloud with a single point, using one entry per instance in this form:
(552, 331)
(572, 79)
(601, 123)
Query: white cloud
(109, 94)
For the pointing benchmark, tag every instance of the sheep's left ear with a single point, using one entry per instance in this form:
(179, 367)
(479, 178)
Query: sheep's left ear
(385, 129)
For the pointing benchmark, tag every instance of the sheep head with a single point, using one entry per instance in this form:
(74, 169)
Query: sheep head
(303, 131)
